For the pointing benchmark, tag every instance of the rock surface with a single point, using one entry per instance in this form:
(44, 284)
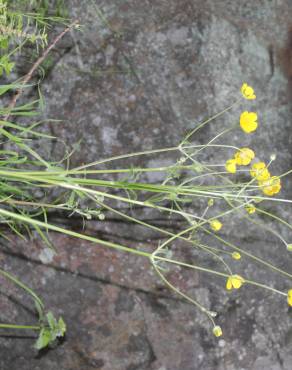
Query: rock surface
(140, 82)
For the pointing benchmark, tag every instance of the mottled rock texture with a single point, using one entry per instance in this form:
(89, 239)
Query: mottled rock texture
(141, 82)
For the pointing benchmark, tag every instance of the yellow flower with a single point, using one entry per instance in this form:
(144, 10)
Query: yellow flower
(244, 156)
(230, 165)
(234, 282)
(215, 225)
(236, 255)
(217, 331)
(250, 208)
(247, 92)
(248, 121)
(259, 171)
(271, 186)
(289, 297)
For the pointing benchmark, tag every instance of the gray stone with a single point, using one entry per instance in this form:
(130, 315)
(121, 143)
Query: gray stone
(142, 83)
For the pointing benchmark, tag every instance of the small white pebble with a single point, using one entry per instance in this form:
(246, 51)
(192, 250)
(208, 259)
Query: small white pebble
(221, 343)
(47, 255)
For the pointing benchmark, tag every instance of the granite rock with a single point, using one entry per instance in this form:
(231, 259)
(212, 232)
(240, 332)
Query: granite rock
(138, 82)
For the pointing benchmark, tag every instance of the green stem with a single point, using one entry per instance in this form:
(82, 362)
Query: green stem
(13, 326)
(147, 152)
(71, 233)
(111, 245)
(257, 259)
(209, 120)
(218, 273)
(21, 285)
(185, 296)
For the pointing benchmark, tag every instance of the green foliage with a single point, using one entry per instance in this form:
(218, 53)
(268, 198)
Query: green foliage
(22, 22)
(25, 22)
(6, 65)
(51, 330)
(89, 194)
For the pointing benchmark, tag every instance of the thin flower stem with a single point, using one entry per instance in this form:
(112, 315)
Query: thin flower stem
(268, 228)
(209, 120)
(194, 267)
(31, 221)
(190, 241)
(123, 156)
(252, 256)
(105, 243)
(149, 152)
(12, 278)
(212, 140)
(251, 282)
(274, 216)
(14, 326)
(185, 296)
(265, 287)
(211, 252)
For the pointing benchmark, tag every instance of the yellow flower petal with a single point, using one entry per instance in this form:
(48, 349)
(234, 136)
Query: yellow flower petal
(217, 331)
(250, 209)
(234, 282)
(215, 225)
(259, 171)
(271, 186)
(244, 156)
(237, 281)
(248, 121)
(236, 255)
(229, 284)
(289, 297)
(230, 165)
(247, 92)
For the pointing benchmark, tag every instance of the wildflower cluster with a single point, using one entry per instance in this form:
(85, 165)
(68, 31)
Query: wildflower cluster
(172, 197)
(270, 185)
(244, 156)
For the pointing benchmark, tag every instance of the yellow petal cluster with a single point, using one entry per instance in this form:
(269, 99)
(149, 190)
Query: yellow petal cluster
(247, 92)
(234, 282)
(259, 171)
(248, 121)
(230, 165)
(271, 186)
(250, 208)
(236, 255)
(217, 331)
(289, 297)
(244, 156)
(215, 225)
